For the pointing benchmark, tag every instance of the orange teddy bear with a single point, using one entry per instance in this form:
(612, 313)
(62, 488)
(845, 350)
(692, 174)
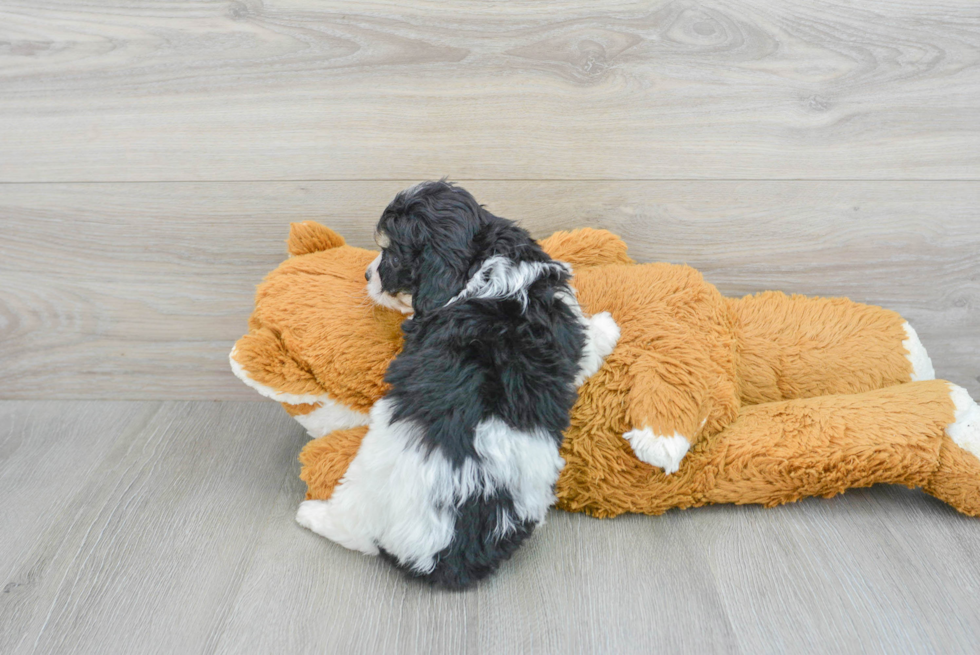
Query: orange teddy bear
(704, 399)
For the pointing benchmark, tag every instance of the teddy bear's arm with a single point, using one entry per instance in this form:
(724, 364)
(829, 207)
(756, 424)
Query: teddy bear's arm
(325, 461)
(586, 247)
(666, 408)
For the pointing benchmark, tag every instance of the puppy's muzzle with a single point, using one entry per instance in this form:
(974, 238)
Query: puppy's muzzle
(401, 302)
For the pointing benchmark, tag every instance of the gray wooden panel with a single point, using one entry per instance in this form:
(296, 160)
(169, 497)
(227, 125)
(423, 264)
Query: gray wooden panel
(168, 527)
(139, 290)
(48, 455)
(342, 89)
(580, 585)
(882, 570)
(144, 549)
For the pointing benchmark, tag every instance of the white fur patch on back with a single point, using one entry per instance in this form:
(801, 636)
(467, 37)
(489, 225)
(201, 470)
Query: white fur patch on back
(392, 495)
(524, 464)
(409, 515)
(660, 451)
(921, 363)
(330, 416)
(965, 428)
(500, 277)
(396, 496)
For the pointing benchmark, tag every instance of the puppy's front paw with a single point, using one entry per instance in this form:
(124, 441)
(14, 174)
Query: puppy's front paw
(658, 450)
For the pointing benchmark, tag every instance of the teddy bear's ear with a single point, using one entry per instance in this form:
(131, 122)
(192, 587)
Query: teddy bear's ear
(310, 236)
(586, 247)
(261, 360)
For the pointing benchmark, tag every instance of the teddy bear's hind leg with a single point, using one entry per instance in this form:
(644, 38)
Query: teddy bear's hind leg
(780, 452)
(801, 347)
(965, 429)
(957, 479)
(916, 354)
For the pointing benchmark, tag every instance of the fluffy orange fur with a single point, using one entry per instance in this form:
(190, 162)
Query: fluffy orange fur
(781, 396)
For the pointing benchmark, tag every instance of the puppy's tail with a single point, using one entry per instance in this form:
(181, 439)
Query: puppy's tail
(309, 236)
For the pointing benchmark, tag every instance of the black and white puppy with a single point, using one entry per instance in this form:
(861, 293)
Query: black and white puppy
(461, 457)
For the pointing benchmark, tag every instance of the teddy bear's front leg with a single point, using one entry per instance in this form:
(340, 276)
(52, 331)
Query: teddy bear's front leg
(326, 460)
(324, 416)
(666, 409)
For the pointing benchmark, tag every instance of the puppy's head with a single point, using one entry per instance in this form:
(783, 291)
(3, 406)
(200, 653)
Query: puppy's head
(426, 236)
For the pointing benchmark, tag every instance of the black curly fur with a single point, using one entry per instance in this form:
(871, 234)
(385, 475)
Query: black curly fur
(480, 358)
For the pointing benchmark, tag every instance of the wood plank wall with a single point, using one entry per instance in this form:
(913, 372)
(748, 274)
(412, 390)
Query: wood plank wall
(153, 153)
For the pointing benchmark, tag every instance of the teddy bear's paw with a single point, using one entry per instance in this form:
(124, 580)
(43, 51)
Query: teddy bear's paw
(661, 451)
(325, 416)
(605, 333)
(921, 363)
(965, 428)
(323, 518)
(601, 337)
(328, 416)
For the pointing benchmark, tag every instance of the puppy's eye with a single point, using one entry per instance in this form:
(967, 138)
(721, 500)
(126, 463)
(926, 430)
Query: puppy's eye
(392, 258)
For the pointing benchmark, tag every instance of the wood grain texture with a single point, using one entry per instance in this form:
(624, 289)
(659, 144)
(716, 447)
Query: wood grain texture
(139, 290)
(145, 547)
(162, 527)
(48, 455)
(151, 152)
(316, 89)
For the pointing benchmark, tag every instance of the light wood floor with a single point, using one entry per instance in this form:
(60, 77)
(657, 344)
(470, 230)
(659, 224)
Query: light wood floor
(152, 155)
(168, 527)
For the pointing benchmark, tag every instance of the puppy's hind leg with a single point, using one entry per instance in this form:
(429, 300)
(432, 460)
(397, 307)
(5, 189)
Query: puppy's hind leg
(487, 534)
(504, 493)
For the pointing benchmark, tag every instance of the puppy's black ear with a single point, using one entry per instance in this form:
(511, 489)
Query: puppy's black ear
(442, 224)
(441, 272)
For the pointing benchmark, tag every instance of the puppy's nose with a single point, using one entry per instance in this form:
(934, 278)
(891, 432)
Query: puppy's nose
(367, 275)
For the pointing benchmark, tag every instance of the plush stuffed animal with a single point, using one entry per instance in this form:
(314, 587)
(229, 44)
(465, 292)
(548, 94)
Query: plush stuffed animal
(705, 399)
